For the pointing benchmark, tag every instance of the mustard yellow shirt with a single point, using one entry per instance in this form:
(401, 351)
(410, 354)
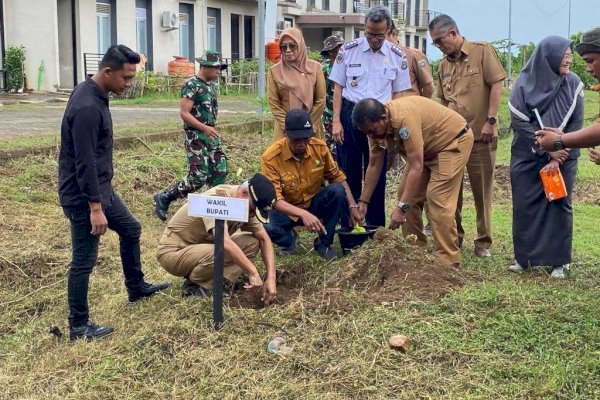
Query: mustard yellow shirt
(297, 181)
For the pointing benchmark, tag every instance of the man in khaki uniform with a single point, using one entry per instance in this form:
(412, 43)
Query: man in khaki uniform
(436, 142)
(421, 79)
(186, 247)
(470, 83)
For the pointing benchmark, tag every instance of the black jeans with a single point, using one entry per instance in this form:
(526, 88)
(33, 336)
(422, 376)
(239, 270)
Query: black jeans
(327, 205)
(85, 253)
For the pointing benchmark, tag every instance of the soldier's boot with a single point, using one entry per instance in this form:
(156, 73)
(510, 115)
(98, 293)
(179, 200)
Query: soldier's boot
(163, 200)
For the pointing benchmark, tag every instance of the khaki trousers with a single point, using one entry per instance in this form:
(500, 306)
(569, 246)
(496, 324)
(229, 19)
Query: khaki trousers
(440, 186)
(480, 168)
(196, 261)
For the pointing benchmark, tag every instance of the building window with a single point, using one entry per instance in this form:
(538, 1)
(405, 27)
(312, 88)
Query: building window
(103, 26)
(416, 41)
(184, 36)
(343, 6)
(141, 30)
(325, 5)
(311, 4)
(212, 33)
(213, 29)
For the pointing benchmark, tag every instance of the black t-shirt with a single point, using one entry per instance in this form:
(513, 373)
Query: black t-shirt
(85, 167)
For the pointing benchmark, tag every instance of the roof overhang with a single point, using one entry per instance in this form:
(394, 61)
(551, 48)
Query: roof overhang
(330, 19)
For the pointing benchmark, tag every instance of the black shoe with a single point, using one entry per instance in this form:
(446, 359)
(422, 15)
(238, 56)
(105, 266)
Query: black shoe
(189, 288)
(161, 205)
(324, 251)
(146, 290)
(89, 331)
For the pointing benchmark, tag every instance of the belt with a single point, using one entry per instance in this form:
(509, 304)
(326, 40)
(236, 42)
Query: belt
(347, 103)
(464, 130)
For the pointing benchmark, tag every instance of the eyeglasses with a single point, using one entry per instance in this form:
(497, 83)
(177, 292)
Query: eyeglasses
(438, 42)
(379, 36)
(290, 46)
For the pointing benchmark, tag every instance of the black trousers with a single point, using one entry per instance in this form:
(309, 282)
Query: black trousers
(327, 205)
(353, 159)
(85, 252)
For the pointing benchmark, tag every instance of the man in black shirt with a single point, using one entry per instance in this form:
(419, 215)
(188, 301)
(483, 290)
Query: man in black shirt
(86, 193)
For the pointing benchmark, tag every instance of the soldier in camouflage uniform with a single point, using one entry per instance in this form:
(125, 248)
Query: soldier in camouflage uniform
(331, 47)
(207, 163)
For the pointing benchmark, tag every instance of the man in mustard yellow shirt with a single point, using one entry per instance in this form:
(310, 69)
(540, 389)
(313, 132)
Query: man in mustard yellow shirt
(297, 164)
(436, 142)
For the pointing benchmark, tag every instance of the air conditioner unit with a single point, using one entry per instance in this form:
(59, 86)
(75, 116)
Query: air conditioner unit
(170, 20)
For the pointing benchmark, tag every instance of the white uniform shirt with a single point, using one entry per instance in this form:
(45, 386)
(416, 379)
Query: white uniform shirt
(365, 74)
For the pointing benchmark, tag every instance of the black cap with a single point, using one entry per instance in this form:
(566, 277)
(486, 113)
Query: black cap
(298, 124)
(590, 42)
(262, 193)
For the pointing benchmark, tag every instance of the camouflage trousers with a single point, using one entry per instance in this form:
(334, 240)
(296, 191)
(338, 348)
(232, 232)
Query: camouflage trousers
(331, 144)
(207, 164)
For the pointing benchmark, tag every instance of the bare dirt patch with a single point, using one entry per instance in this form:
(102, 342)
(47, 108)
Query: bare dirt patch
(388, 268)
(289, 287)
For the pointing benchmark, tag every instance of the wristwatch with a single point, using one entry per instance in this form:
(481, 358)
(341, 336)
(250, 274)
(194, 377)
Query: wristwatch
(491, 120)
(404, 207)
(558, 144)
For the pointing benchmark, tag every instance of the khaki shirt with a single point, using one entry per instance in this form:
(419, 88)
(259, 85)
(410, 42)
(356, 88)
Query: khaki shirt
(419, 70)
(278, 98)
(198, 230)
(298, 181)
(418, 122)
(465, 83)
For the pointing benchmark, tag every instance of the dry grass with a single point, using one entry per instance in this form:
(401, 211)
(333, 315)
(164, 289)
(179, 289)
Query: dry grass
(503, 336)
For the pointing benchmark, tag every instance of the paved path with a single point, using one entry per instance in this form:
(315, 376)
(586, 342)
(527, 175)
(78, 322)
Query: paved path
(30, 120)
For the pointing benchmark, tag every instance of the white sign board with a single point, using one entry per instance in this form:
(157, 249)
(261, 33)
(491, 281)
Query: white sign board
(218, 207)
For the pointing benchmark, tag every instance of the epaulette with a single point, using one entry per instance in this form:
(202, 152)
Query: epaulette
(351, 44)
(398, 51)
(317, 142)
(271, 152)
(480, 43)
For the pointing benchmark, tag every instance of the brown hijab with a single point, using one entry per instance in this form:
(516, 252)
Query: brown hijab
(299, 77)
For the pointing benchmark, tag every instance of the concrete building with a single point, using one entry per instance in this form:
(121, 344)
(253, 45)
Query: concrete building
(63, 39)
(321, 18)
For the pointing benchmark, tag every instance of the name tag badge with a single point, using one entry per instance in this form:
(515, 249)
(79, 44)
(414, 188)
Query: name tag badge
(354, 65)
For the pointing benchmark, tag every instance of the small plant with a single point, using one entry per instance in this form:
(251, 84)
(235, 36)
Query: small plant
(14, 62)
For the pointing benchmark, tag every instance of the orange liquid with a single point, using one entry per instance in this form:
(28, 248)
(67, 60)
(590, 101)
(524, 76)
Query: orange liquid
(554, 185)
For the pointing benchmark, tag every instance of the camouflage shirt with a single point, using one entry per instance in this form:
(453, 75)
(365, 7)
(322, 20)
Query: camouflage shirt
(328, 112)
(204, 96)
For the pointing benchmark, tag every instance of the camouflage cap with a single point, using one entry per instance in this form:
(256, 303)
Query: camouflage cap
(331, 43)
(210, 59)
(590, 42)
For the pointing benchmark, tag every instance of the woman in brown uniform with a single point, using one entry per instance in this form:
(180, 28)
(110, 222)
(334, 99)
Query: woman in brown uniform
(295, 83)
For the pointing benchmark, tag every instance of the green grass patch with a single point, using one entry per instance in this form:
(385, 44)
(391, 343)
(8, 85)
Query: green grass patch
(502, 336)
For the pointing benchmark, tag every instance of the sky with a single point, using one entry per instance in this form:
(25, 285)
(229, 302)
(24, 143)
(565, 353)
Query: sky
(532, 20)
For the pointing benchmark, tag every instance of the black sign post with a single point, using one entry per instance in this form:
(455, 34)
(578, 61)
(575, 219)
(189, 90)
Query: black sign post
(218, 279)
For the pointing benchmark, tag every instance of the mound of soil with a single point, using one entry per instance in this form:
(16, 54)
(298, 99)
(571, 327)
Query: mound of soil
(388, 268)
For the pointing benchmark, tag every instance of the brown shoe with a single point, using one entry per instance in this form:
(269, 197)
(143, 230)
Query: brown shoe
(481, 252)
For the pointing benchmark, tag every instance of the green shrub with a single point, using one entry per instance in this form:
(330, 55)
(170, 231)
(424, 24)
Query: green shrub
(247, 66)
(14, 63)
